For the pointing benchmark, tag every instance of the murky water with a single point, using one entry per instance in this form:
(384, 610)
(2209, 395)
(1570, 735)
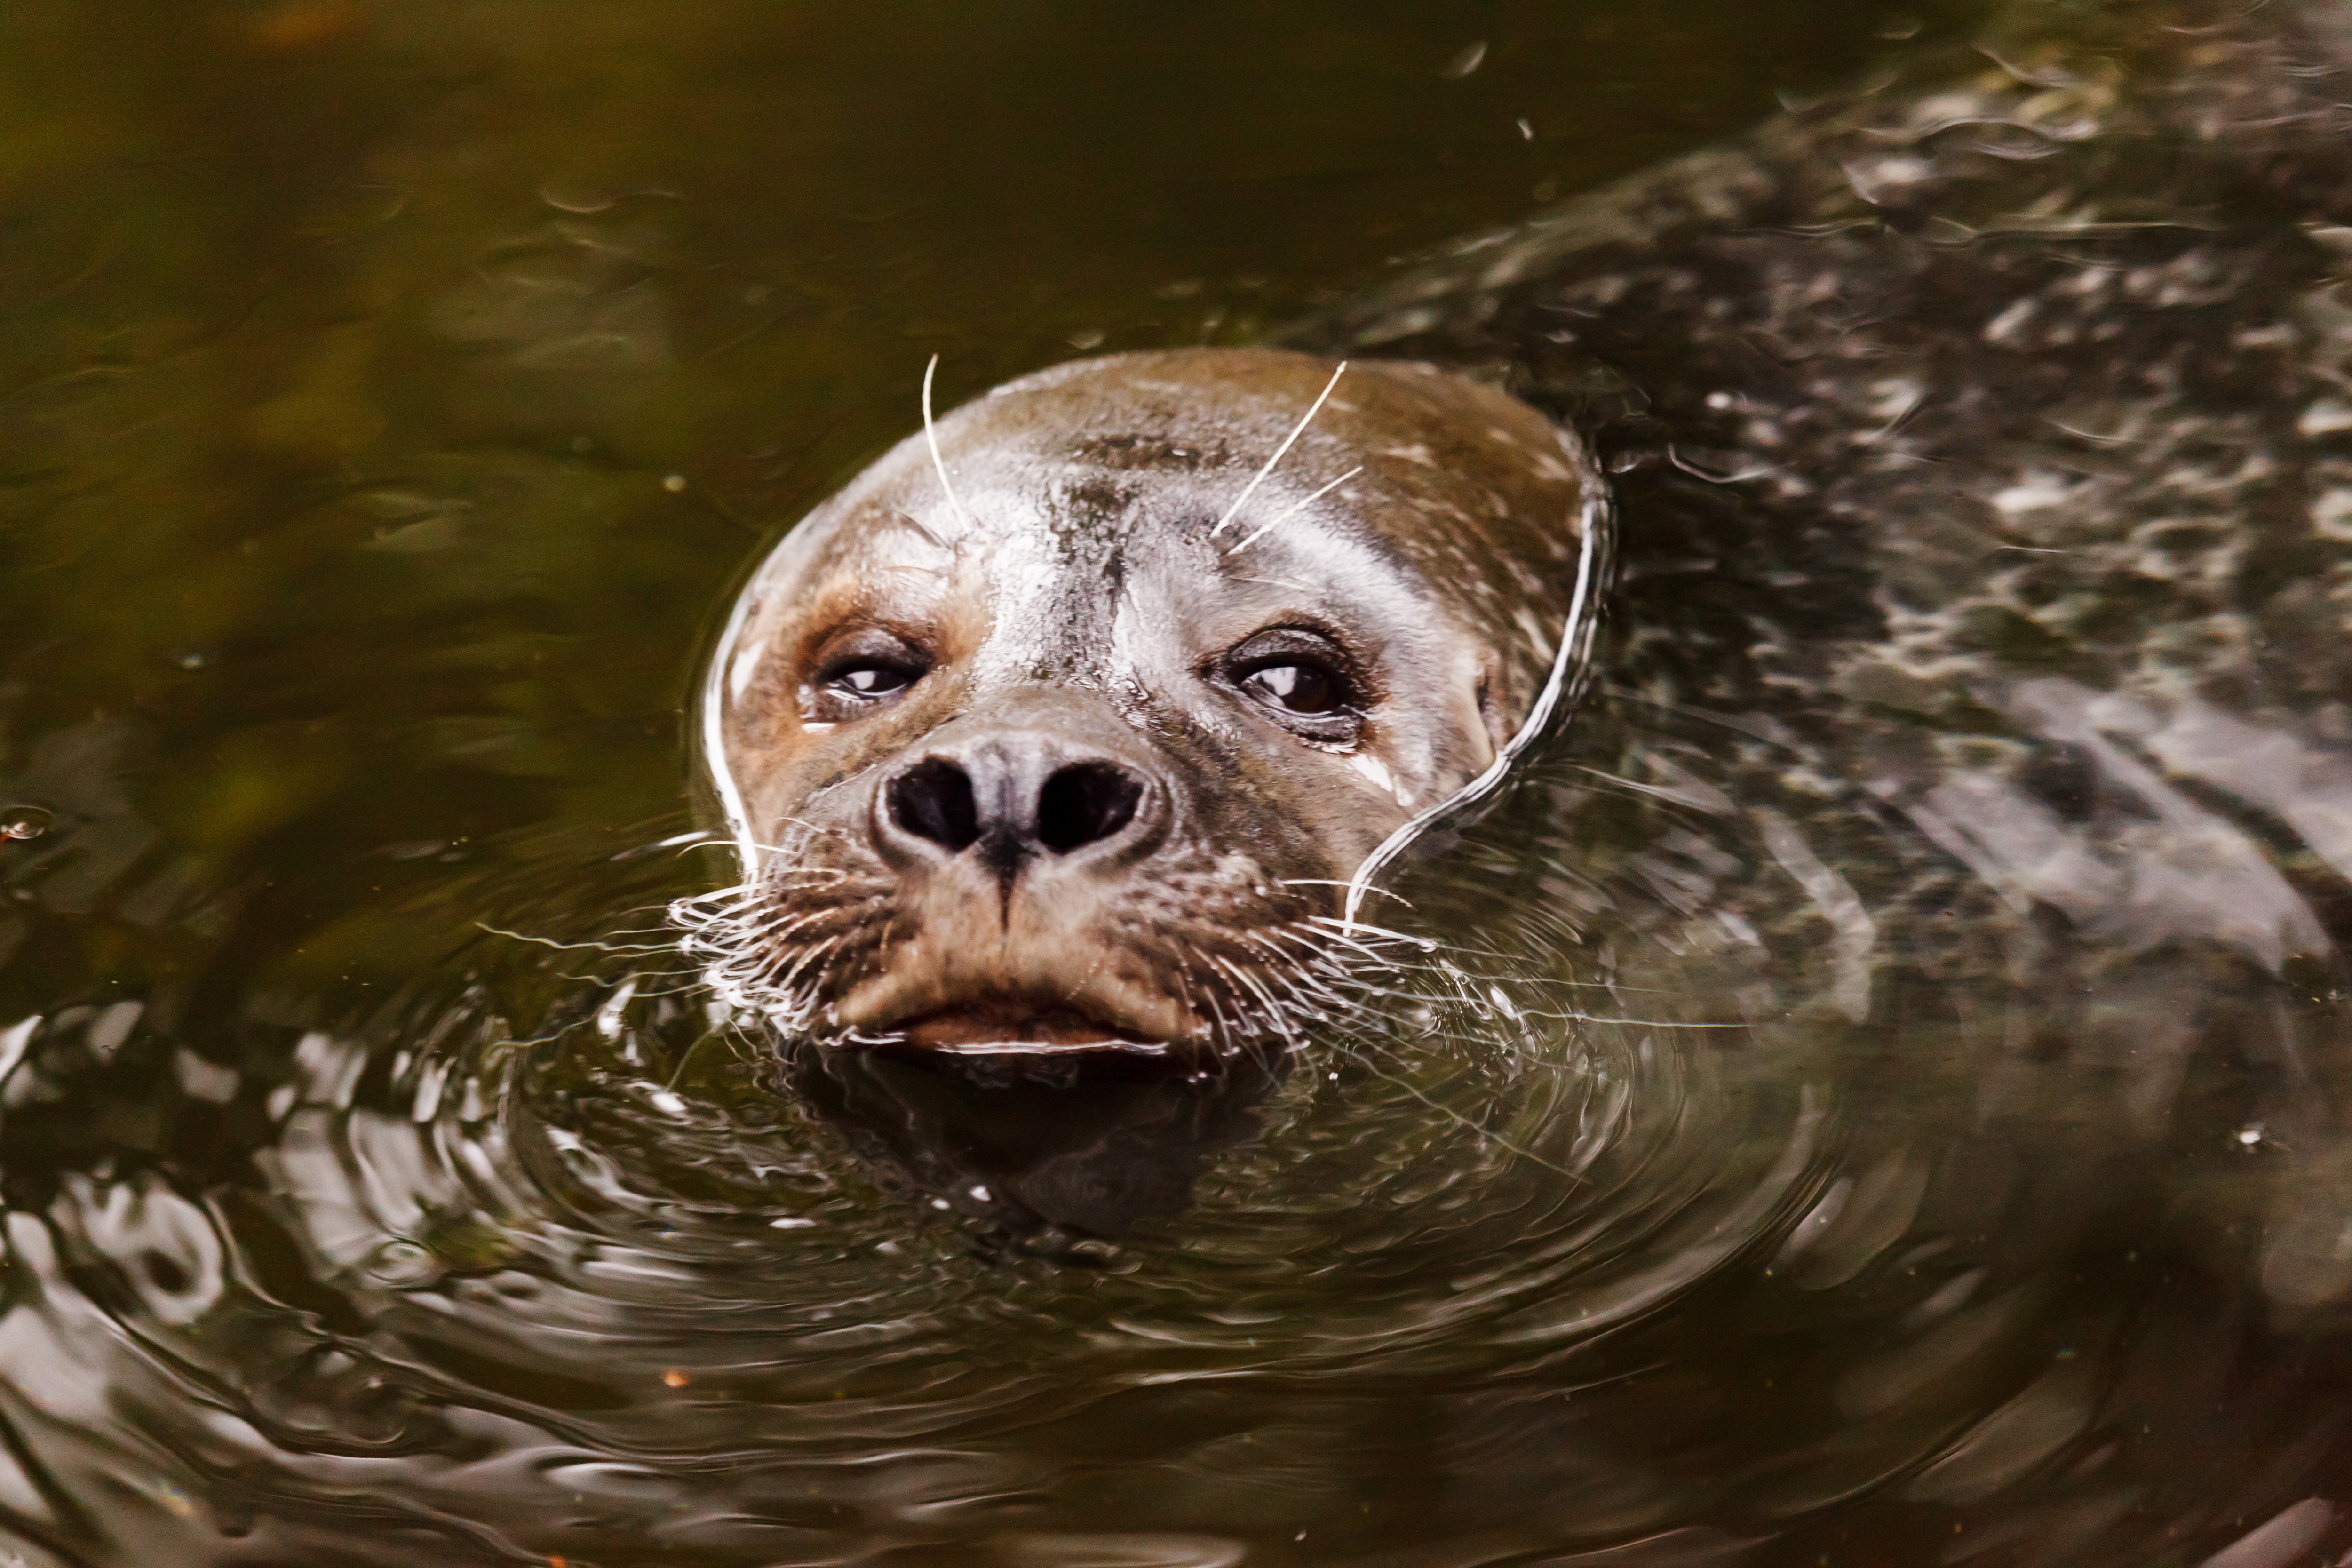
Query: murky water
(391, 395)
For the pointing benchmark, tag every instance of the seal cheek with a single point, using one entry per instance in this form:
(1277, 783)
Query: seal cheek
(1376, 771)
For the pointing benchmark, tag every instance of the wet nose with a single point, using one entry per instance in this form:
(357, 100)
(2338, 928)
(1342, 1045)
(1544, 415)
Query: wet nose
(1014, 800)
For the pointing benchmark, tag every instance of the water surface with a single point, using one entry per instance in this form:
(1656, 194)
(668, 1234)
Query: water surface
(394, 396)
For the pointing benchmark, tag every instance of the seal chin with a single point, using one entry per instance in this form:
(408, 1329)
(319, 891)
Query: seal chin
(982, 1016)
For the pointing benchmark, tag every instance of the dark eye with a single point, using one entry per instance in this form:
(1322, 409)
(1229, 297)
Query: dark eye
(858, 672)
(1297, 687)
(1302, 677)
(870, 679)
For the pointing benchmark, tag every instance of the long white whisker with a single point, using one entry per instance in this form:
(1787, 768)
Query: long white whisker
(1343, 939)
(1285, 513)
(1420, 943)
(1300, 429)
(609, 947)
(1306, 988)
(939, 464)
(1222, 1033)
(1275, 1015)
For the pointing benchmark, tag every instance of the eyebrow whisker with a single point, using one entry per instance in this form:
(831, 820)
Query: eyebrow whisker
(939, 464)
(1250, 489)
(1296, 507)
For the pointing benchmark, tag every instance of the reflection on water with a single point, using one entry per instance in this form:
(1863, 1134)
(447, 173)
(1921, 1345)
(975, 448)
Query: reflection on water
(1871, 1093)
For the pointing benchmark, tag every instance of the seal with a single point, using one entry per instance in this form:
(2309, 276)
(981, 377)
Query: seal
(1982, 441)
(1067, 724)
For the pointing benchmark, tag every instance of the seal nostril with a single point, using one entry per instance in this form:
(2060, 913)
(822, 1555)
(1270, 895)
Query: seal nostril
(1085, 804)
(933, 800)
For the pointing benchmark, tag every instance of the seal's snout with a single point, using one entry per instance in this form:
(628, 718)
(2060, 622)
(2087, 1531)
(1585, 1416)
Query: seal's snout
(1087, 803)
(1012, 796)
(1015, 836)
(933, 802)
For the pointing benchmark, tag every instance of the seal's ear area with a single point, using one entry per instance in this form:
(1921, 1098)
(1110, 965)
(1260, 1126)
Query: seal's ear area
(1498, 724)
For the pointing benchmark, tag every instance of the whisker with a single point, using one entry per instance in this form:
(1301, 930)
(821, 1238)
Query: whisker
(1336, 882)
(939, 464)
(1298, 430)
(1422, 943)
(618, 947)
(1275, 1012)
(1285, 514)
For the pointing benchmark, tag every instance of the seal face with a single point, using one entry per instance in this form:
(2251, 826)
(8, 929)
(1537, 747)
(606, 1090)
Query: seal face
(1067, 734)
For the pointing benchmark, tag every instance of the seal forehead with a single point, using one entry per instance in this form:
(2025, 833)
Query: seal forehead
(1473, 493)
(1154, 451)
(1428, 444)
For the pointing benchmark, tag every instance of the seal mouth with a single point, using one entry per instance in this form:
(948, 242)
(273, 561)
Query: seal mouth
(1008, 1027)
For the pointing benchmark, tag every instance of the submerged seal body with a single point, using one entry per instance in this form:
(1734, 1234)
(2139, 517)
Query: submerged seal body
(1066, 727)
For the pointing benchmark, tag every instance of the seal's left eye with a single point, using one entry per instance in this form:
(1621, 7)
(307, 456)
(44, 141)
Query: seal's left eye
(1296, 687)
(1302, 678)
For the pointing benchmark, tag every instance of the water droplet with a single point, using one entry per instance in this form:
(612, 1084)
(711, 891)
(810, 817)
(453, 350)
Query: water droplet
(23, 822)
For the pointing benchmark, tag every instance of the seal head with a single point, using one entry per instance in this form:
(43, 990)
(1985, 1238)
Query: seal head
(1068, 733)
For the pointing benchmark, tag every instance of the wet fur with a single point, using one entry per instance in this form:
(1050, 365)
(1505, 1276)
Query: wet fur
(1122, 510)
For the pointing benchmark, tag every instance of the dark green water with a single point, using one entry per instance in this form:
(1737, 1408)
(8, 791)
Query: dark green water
(391, 397)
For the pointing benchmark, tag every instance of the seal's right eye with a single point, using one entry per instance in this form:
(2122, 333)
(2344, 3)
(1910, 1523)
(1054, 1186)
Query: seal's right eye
(869, 680)
(859, 673)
